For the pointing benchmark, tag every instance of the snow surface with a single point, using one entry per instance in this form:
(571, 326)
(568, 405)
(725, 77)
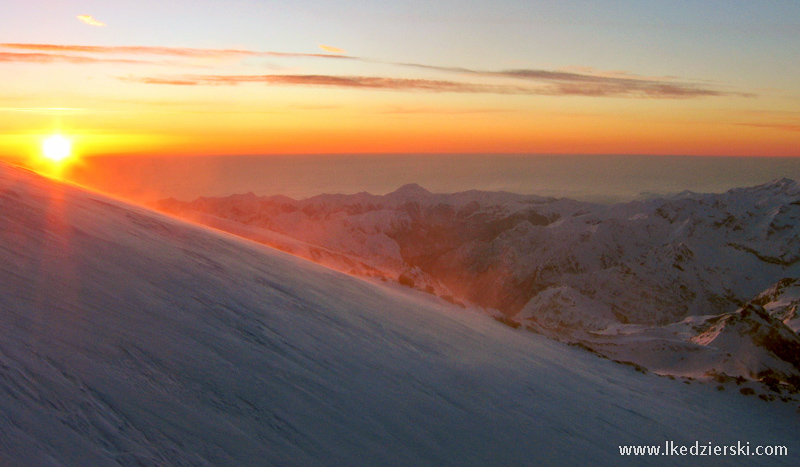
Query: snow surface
(131, 338)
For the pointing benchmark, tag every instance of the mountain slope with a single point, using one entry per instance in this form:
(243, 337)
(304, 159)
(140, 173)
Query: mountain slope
(747, 343)
(130, 338)
(781, 301)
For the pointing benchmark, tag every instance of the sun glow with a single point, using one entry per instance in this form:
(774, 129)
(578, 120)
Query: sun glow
(57, 148)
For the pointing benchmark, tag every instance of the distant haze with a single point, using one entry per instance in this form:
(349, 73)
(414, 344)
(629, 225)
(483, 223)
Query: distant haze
(603, 178)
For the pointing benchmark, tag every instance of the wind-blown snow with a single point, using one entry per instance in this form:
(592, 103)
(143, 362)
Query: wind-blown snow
(130, 338)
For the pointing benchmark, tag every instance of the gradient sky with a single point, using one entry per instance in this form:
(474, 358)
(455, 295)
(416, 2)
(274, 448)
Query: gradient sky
(512, 76)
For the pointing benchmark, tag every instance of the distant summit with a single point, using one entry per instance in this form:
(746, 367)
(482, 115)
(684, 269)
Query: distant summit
(785, 186)
(410, 190)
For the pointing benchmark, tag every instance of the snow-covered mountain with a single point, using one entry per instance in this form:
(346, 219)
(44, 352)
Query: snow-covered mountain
(132, 338)
(628, 280)
(781, 301)
(748, 344)
(653, 262)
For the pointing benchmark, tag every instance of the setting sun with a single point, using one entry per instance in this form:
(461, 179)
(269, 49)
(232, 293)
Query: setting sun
(56, 148)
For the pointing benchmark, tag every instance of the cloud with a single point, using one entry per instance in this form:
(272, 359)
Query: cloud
(774, 126)
(171, 81)
(586, 81)
(437, 111)
(181, 52)
(786, 120)
(132, 50)
(89, 19)
(633, 89)
(357, 82)
(554, 86)
(574, 81)
(51, 58)
(333, 50)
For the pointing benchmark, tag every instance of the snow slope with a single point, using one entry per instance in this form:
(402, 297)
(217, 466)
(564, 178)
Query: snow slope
(131, 338)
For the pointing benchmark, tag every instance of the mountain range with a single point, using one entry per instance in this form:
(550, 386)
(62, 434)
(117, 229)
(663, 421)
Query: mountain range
(575, 271)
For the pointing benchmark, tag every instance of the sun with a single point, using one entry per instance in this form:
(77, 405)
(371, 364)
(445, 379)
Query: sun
(57, 148)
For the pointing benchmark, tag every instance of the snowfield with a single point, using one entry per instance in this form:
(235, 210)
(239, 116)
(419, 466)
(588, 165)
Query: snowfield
(132, 338)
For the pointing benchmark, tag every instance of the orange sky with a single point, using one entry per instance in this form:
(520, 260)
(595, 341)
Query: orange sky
(502, 79)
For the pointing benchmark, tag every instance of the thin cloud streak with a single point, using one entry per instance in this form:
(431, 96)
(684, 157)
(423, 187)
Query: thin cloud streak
(358, 82)
(11, 57)
(617, 84)
(436, 111)
(593, 88)
(167, 51)
(785, 120)
(89, 19)
(774, 126)
(333, 50)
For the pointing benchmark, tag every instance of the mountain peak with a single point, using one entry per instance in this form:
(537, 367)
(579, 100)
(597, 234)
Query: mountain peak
(781, 185)
(411, 190)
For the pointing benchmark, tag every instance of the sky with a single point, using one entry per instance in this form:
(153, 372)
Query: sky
(214, 77)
